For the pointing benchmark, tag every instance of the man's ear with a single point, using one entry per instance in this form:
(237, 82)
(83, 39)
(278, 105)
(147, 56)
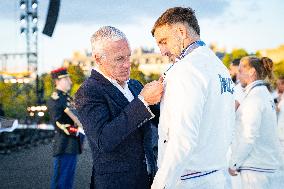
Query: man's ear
(97, 58)
(183, 30)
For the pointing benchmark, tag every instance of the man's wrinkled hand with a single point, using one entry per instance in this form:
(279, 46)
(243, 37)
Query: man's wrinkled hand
(152, 92)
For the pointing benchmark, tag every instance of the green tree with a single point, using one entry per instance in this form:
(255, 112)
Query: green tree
(258, 54)
(47, 85)
(236, 53)
(278, 69)
(16, 98)
(137, 74)
(152, 77)
(227, 60)
(77, 76)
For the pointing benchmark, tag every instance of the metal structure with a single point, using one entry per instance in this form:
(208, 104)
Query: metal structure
(29, 28)
(6, 58)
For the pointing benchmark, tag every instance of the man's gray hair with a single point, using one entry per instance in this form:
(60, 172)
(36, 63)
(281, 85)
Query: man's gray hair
(103, 35)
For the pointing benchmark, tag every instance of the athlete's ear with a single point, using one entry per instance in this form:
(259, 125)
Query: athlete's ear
(182, 31)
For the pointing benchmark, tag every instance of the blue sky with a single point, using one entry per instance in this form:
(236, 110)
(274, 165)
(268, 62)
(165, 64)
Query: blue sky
(248, 24)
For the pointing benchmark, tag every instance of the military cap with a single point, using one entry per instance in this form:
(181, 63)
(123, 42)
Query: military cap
(59, 73)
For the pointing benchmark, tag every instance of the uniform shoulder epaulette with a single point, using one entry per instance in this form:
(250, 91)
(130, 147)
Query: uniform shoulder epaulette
(54, 96)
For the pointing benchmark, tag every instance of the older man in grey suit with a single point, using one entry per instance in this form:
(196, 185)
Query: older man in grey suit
(115, 112)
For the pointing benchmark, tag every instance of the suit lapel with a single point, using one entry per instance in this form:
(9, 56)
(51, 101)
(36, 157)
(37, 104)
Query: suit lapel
(133, 88)
(110, 89)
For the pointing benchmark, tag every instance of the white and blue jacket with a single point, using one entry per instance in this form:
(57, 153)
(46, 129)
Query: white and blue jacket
(196, 120)
(256, 145)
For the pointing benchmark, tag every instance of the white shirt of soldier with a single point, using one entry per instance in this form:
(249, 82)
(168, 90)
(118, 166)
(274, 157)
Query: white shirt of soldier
(255, 143)
(197, 118)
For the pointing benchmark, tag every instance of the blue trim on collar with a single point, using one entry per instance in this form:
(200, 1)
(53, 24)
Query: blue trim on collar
(186, 51)
(190, 48)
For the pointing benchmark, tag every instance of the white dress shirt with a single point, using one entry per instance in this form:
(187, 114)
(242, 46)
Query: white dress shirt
(196, 119)
(125, 90)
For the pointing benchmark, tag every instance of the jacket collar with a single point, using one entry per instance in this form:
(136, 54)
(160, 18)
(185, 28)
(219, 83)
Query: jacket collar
(113, 91)
(99, 78)
(134, 87)
(60, 92)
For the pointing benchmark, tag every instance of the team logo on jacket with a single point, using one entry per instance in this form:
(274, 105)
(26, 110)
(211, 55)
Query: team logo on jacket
(227, 84)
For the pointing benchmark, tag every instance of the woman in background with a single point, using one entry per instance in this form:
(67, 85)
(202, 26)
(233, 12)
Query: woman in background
(256, 149)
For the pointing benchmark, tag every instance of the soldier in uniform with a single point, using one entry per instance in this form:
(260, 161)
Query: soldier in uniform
(66, 143)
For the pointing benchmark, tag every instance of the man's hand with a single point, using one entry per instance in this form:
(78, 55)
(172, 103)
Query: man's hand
(68, 129)
(63, 127)
(233, 172)
(152, 92)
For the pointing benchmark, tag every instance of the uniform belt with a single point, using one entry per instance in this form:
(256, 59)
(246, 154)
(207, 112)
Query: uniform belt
(192, 175)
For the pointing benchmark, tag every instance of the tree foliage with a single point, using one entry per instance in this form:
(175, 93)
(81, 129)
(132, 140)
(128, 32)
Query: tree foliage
(77, 77)
(138, 75)
(278, 68)
(236, 53)
(17, 97)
